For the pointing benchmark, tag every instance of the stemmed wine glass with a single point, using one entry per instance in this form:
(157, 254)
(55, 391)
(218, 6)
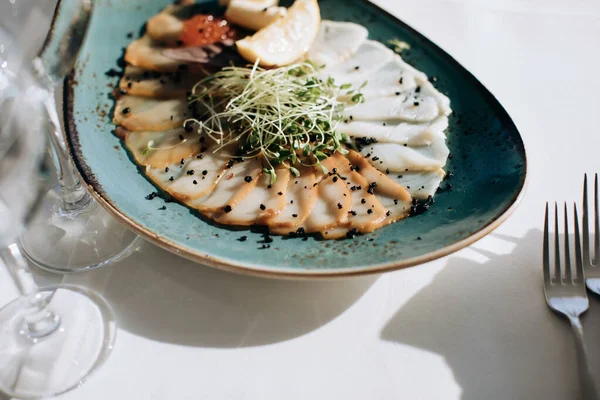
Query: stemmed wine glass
(71, 232)
(51, 338)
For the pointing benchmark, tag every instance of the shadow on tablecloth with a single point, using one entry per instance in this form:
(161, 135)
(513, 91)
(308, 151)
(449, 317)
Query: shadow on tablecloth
(500, 342)
(167, 298)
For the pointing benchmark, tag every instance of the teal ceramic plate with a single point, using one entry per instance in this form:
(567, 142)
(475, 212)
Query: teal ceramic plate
(488, 163)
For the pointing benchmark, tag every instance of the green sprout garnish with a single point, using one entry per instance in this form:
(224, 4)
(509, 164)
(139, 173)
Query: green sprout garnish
(286, 116)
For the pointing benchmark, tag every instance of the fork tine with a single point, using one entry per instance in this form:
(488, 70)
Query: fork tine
(557, 273)
(586, 223)
(596, 221)
(578, 256)
(568, 275)
(546, 247)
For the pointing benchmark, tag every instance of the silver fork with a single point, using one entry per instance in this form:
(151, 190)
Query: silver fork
(590, 265)
(565, 292)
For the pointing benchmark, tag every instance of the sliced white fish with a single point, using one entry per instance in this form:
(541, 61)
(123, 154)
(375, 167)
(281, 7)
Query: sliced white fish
(401, 158)
(421, 185)
(159, 149)
(140, 82)
(332, 205)
(369, 57)
(230, 181)
(262, 203)
(413, 134)
(366, 213)
(410, 107)
(145, 114)
(336, 42)
(300, 198)
(197, 177)
(148, 54)
(394, 77)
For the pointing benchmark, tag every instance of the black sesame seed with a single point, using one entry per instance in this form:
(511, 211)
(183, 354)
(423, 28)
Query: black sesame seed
(195, 182)
(398, 93)
(171, 179)
(126, 110)
(166, 169)
(263, 207)
(335, 179)
(363, 201)
(340, 206)
(387, 214)
(295, 215)
(418, 89)
(369, 211)
(416, 103)
(248, 179)
(357, 68)
(191, 172)
(280, 193)
(227, 209)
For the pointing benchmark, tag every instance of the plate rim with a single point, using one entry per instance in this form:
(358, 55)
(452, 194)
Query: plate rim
(88, 179)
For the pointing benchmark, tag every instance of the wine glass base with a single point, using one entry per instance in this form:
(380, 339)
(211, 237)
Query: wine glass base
(38, 367)
(76, 241)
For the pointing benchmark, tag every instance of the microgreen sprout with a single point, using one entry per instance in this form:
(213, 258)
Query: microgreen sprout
(286, 116)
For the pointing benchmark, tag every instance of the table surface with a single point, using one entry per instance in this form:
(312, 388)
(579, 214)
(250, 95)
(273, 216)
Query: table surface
(471, 326)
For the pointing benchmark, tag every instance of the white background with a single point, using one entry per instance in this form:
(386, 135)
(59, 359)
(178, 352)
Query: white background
(471, 326)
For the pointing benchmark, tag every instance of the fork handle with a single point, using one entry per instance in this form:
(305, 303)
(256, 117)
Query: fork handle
(588, 386)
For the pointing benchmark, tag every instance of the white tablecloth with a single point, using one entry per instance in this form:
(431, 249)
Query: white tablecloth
(471, 326)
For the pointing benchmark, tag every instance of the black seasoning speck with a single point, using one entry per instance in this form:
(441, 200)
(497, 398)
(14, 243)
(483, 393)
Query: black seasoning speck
(369, 211)
(204, 172)
(166, 169)
(151, 196)
(352, 212)
(357, 68)
(129, 85)
(269, 187)
(398, 93)
(340, 206)
(227, 208)
(387, 171)
(352, 233)
(387, 214)
(195, 182)
(280, 193)
(291, 201)
(248, 179)
(191, 172)
(162, 208)
(199, 156)
(243, 239)
(372, 187)
(418, 89)
(126, 110)
(335, 179)
(295, 215)
(416, 103)
(171, 179)
(263, 207)
(375, 158)
(395, 201)
(363, 201)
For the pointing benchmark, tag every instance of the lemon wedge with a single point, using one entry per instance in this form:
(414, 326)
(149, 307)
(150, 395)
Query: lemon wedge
(254, 14)
(285, 40)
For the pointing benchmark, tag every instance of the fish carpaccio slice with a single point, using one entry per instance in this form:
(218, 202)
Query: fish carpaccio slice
(399, 131)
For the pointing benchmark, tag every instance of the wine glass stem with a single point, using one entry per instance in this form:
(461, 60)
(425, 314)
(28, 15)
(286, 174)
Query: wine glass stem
(38, 320)
(74, 197)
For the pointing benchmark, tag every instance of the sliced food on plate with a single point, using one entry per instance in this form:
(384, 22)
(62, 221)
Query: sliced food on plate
(259, 114)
